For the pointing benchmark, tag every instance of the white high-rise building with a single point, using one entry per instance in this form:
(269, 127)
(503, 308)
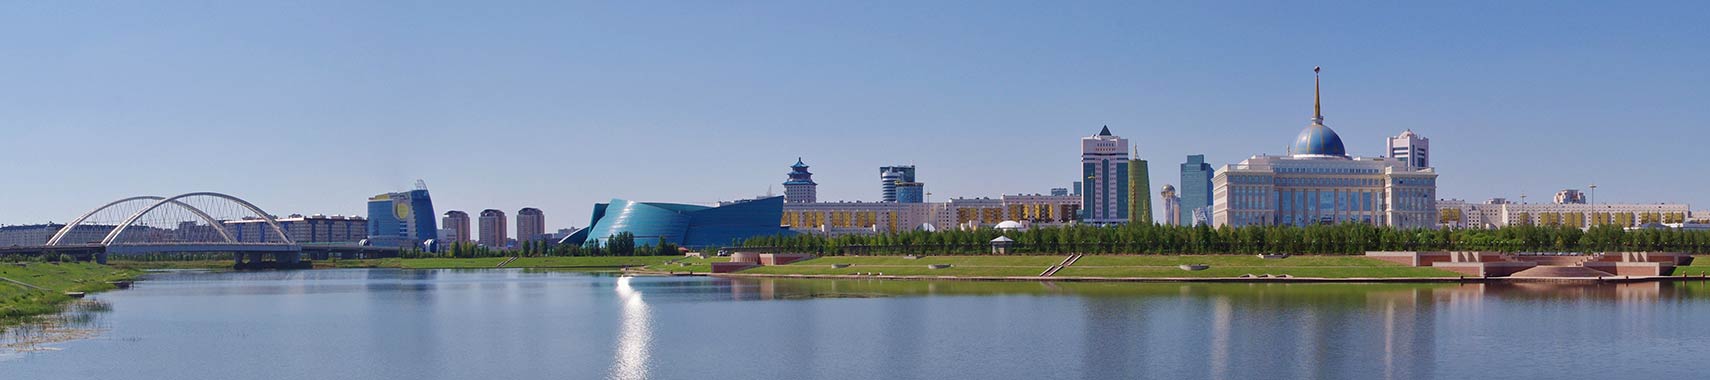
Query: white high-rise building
(1172, 206)
(1570, 196)
(1104, 168)
(839, 218)
(1411, 149)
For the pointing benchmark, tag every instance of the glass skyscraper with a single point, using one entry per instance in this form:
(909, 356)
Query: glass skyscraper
(1196, 188)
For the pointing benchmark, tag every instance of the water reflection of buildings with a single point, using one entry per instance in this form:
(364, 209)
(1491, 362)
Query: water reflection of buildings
(1229, 331)
(1257, 331)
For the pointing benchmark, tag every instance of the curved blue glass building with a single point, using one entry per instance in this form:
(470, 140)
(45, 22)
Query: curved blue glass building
(683, 224)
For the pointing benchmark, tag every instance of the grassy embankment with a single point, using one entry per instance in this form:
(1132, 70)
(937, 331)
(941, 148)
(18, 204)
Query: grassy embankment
(686, 264)
(1109, 266)
(602, 262)
(1700, 266)
(17, 301)
(598, 262)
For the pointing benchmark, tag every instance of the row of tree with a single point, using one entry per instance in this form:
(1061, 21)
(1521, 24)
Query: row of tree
(621, 244)
(1346, 239)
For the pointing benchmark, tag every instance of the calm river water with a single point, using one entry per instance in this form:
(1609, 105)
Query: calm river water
(516, 324)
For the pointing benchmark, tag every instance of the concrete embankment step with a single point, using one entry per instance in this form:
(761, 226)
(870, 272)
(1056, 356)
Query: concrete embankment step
(1553, 271)
(507, 261)
(21, 283)
(1067, 261)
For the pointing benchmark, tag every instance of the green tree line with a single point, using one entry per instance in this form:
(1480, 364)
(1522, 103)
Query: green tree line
(621, 244)
(1344, 239)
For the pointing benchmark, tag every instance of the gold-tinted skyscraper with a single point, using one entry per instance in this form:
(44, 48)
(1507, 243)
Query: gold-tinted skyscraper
(1139, 190)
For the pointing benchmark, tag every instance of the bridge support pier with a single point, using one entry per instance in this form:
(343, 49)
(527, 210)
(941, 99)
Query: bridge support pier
(288, 258)
(101, 258)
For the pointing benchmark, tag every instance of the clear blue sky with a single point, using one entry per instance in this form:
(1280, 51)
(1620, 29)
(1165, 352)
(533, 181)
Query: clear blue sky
(310, 107)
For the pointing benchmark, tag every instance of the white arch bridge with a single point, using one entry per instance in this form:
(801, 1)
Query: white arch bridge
(186, 223)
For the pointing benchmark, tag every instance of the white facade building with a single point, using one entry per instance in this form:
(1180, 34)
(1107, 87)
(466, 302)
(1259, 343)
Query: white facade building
(315, 228)
(1567, 196)
(1172, 206)
(1411, 149)
(838, 218)
(1454, 213)
(1318, 183)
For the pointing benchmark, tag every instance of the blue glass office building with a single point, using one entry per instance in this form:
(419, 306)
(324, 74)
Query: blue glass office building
(404, 219)
(684, 225)
(1196, 187)
(911, 192)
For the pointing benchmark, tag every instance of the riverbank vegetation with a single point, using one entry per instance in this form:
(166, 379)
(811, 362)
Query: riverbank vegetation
(1345, 239)
(622, 244)
(28, 289)
(215, 262)
(1111, 266)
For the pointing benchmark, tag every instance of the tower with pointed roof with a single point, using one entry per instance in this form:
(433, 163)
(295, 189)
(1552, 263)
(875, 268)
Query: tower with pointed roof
(800, 188)
(1104, 172)
(1317, 140)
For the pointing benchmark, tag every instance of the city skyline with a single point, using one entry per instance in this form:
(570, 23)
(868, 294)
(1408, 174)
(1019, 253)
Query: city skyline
(1590, 101)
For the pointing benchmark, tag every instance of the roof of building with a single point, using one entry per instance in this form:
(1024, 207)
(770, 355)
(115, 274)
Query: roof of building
(1318, 140)
(799, 164)
(1105, 131)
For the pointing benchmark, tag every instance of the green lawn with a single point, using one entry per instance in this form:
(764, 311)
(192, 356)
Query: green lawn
(589, 262)
(1113, 266)
(995, 266)
(1236, 271)
(899, 270)
(451, 263)
(1237, 265)
(1228, 260)
(694, 265)
(185, 264)
(972, 261)
(18, 301)
(1700, 266)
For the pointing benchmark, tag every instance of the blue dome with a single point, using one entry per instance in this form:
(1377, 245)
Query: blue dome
(1319, 140)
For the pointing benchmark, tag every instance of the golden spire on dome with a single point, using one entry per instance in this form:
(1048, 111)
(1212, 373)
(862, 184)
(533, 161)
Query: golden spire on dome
(1317, 112)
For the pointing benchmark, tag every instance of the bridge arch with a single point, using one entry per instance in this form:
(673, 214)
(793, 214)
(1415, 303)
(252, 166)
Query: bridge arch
(59, 237)
(272, 224)
(156, 202)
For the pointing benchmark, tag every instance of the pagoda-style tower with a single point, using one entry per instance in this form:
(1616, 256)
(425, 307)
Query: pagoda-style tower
(800, 188)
